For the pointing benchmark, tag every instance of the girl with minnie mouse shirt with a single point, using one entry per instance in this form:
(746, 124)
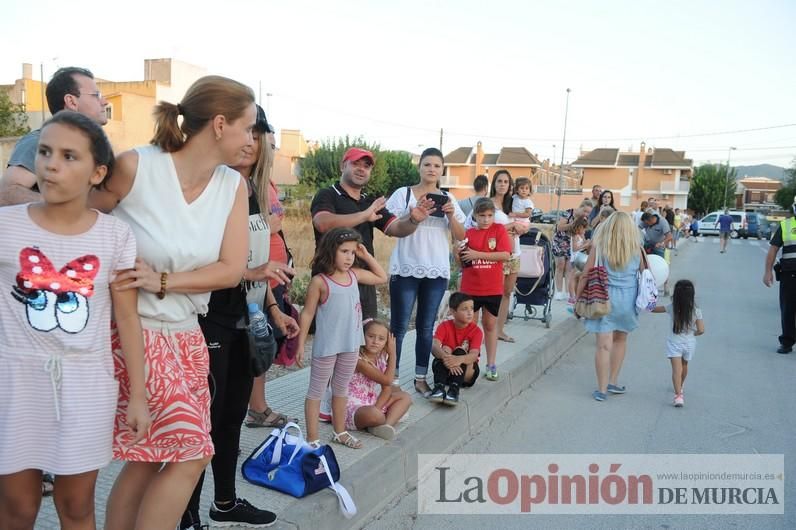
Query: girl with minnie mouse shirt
(58, 395)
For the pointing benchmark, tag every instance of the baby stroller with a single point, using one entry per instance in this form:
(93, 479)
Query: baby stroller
(535, 292)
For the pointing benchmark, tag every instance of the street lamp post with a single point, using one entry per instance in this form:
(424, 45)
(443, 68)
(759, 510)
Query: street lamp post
(550, 175)
(563, 146)
(727, 179)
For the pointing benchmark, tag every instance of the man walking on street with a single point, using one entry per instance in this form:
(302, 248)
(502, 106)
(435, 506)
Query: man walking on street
(725, 227)
(345, 205)
(70, 88)
(785, 239)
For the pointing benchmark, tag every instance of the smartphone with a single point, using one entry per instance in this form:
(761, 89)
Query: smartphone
(439, 201)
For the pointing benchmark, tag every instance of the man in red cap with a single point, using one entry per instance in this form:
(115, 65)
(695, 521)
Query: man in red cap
(345, 205)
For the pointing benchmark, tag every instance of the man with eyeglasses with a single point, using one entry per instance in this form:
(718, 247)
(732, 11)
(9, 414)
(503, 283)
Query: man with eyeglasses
(70, 88)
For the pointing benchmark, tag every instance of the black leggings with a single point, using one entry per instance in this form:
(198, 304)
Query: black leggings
(230, 386)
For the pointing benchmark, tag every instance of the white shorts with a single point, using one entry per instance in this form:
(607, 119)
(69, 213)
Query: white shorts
(680, 349)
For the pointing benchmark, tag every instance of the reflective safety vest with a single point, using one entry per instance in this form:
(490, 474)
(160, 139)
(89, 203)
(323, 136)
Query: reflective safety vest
(788, 228)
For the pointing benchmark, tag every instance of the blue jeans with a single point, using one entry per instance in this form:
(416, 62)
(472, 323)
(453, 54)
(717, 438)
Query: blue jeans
(428, 292)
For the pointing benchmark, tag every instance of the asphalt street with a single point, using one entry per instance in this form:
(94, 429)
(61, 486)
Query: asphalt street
(739, 399)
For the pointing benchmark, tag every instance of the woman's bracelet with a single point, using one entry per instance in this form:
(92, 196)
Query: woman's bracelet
(164, 276)
(268, 308)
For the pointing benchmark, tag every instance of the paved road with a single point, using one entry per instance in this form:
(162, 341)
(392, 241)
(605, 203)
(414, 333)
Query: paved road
(739, 399)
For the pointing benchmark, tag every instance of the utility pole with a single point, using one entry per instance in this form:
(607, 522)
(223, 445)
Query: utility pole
(41, 72)
(727, 179)
(563, 146)
(550, 176)
(440, 139)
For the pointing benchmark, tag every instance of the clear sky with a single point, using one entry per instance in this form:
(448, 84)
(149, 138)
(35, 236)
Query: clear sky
(497, 71)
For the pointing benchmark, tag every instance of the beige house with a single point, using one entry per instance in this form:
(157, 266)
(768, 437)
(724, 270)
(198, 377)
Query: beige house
(636, 176)
(757, 193)
(463, 164)
(287, 164)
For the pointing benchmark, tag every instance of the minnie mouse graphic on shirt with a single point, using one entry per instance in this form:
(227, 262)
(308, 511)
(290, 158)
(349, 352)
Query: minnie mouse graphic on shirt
(55, 299)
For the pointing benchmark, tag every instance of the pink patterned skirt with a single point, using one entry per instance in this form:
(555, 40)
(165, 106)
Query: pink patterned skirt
(177, 365)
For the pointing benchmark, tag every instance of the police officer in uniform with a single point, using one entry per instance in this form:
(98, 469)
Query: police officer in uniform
(784, 238)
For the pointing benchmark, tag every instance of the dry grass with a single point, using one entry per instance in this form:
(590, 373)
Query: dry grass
(297, 226)
(301, 240)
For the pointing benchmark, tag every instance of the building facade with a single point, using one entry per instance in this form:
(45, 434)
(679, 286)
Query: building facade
(636, 176)
(757, 193)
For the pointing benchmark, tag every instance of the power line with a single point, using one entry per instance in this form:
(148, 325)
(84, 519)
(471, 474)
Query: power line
(529, 140)
(634, 138)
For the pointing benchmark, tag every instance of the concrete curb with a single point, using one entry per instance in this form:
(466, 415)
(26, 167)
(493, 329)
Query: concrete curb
(391, 470)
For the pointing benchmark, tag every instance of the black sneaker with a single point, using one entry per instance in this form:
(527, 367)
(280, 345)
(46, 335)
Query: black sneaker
(438, 394)
(242, 513)
(452, 398)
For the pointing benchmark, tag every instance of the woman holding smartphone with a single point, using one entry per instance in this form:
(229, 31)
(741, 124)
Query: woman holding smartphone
(420, 263)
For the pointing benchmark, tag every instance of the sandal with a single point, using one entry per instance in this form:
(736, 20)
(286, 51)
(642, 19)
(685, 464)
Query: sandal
(506, 338)
(315, 444)
(385, 432)
(256, 419)
(47, 484)
(345, 438)
(421, 386)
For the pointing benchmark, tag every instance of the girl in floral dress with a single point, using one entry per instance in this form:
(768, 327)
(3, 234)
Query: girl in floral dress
(368, 408)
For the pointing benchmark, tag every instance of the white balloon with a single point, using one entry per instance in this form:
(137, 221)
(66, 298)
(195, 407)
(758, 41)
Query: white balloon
(659, 269)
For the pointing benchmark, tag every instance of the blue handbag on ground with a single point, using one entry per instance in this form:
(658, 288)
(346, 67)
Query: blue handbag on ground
(287, 463)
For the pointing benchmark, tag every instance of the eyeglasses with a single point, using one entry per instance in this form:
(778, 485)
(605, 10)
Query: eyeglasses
(96, 94)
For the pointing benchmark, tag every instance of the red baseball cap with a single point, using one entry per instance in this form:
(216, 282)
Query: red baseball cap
(355, 153)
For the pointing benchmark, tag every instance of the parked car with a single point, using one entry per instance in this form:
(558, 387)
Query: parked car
(767, 230)
(551, 217)
(757, 226)
(708, 225)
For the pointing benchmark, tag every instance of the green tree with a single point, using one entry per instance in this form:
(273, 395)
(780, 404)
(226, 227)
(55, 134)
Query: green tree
(712, 187)
(786, 194)
(13, 120)
(321, 167)
(401, 171)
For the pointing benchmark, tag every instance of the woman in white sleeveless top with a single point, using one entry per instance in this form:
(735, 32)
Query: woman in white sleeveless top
(189, 213)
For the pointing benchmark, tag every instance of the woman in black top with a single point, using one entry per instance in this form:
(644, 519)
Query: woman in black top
(227, 342)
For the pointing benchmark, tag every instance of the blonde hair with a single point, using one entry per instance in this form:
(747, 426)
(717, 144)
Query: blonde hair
(208, 97)
(261, 175)
(586, 202)
(617, 239)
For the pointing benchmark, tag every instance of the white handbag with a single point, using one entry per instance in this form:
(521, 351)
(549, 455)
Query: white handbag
(531, 261)
(647, 297)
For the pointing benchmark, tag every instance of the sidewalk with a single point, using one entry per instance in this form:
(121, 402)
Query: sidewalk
(381, 471)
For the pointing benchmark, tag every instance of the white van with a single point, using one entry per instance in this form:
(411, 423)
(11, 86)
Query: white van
(708, 225)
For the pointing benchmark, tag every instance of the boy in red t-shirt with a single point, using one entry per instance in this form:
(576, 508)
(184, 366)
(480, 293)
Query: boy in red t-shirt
(488, 246)
(456, 349)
